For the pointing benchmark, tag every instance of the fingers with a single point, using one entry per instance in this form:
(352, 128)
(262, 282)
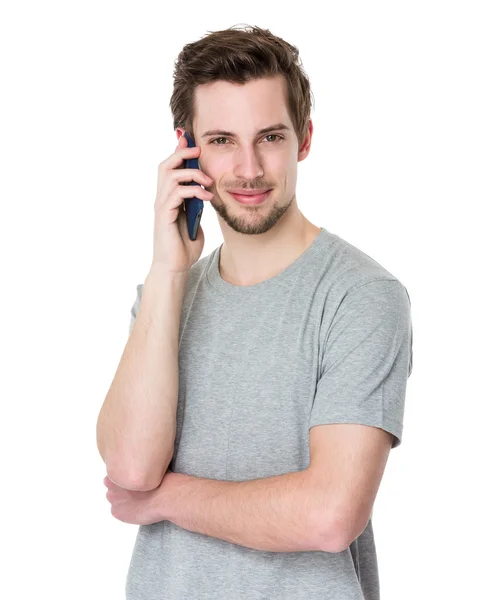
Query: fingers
(171, 168)
(192, 175)
(181, 153)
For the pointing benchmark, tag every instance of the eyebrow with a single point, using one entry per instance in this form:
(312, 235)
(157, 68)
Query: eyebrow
(277, 126)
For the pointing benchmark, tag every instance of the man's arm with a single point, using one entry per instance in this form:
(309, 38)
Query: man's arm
(136, 426)
(278, 514)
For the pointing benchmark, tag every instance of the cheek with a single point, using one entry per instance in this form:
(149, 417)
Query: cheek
(221, 164)
(290, 175)
(215, 167)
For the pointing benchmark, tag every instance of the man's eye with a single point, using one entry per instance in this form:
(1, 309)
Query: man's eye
(224, 138)
(215, 140)
(274, 135)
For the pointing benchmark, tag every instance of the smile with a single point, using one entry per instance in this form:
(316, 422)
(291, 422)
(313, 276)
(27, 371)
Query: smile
(250, 199)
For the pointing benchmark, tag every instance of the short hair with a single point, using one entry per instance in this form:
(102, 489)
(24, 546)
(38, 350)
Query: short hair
(237, 55)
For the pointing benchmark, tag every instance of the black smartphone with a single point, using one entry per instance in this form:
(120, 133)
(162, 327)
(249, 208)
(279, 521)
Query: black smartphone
(193, 206)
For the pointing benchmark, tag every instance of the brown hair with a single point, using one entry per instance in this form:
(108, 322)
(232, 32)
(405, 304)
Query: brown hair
(238, 55)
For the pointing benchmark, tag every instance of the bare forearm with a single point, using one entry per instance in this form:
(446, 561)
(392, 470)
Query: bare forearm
(275, 514)
(137, 423)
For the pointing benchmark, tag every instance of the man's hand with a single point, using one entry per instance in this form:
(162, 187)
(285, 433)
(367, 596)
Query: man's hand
(138, 508)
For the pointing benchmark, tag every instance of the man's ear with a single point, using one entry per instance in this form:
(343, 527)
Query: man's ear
(179, 132)
(305, 147)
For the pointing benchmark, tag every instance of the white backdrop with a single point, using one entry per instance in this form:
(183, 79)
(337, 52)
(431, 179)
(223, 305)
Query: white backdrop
(395, 169)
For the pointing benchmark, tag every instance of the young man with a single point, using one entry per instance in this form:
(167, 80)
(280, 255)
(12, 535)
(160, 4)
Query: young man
(293, 352)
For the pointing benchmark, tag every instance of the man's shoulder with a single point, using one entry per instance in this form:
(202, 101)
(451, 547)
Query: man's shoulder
(350, 267)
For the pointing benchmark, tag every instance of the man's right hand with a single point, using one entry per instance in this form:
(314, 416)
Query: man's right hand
(173, 250)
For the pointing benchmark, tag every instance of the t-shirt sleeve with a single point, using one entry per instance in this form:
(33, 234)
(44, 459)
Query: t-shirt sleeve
(135, 306)
(366, 359)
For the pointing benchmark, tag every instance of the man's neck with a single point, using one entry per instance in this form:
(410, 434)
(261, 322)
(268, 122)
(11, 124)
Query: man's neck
(249, 264)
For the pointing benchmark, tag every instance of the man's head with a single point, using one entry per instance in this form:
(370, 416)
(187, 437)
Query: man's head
(235, 83)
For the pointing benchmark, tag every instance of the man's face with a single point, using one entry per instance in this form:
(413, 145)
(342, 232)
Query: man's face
(243, 158)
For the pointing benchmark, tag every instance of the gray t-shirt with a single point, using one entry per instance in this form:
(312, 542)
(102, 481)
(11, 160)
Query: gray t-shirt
(327, 340)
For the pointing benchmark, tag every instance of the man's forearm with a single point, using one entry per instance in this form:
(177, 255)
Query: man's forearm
(275, 514)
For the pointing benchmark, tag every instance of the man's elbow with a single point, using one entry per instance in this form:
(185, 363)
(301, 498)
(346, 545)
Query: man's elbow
(144, 483)
(127, 483)
(338, 543)
(340, 536)
(334, 538)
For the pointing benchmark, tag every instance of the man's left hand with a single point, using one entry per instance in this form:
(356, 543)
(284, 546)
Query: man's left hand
(138, 508)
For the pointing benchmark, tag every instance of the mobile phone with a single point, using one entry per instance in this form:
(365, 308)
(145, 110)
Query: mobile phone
(193, 206)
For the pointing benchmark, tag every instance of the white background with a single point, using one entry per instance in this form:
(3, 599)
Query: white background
(395, 169)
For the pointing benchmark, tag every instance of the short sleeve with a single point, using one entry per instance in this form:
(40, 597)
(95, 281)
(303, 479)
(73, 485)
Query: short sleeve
(366, 359)
(135, 306)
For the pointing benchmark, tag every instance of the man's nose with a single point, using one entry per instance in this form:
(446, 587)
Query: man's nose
(248, 164)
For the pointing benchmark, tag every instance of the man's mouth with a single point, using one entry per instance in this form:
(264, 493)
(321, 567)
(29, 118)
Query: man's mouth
(250, 197)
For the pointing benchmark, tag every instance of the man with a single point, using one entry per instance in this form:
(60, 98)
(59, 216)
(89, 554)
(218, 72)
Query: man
(294, 352)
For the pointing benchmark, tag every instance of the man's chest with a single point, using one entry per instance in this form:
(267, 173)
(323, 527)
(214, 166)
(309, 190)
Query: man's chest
(245, 395)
